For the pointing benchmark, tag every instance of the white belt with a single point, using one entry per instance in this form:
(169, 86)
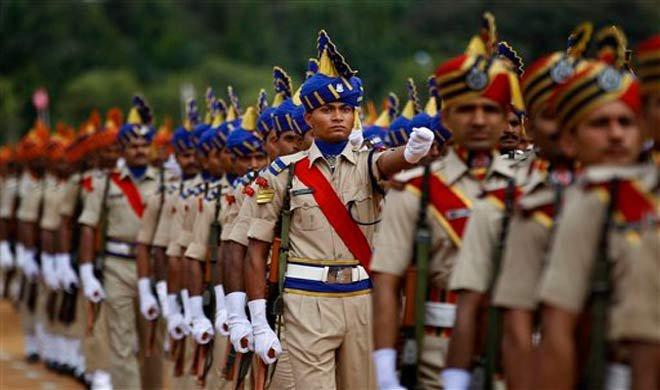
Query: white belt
(120, 248)
(320, 274)
(440, 315)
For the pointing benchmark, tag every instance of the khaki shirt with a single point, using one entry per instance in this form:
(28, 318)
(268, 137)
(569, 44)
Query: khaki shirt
(54, 190)
(310, 233)
(123, 222)
(395, 245)
(30, 191)
(566, 281)
(71, 193)
(8, 192)
(206, 213)
(157, 208)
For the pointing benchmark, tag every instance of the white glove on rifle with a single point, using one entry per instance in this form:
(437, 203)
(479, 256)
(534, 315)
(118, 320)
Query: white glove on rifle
(385, 364)
(356, 138)
(176, 325)
(202, 328)
(161, 294)
(91, 286)
(6, 257)
(221, 325)
(148, 303)
(30, 266)
(455, 378)
(48, 271)
(240, 329)
(66, 275)
(418, 145)
(266, 344)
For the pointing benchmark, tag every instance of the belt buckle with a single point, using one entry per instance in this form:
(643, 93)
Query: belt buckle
(340, 275)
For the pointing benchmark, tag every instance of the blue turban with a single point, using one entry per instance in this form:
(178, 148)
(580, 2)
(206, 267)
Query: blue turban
(209, 140)
(182, 140)
(376, 136)
(265, 121)
(399, 131)
(245, 143)
(290, 117)
(132, 131)
(198, 130)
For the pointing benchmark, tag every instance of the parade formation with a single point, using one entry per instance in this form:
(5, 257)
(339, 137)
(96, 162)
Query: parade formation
(503, 233)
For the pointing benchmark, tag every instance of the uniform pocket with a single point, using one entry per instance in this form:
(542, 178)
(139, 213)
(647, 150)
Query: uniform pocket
(306, 213)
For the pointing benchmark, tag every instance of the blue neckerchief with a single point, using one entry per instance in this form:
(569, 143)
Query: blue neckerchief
(207, 177)
(231, 178)
(330, 148)
(137, 172)
(188, 177)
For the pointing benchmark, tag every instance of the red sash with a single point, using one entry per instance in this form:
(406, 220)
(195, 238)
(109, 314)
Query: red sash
(131, 192)
(497, 197)
(334, 211)
(633, 203)
(544, 214)
(444, 199)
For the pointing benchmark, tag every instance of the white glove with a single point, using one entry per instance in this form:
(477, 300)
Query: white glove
(239, 326)
(176, 326)
(356, 138)
(161, 294)
(266, 344)
(221, 325)
(202, 328)
(455, 378)
(385, 363)
(30, 266)
(6, 257)
(148, 303)
(66, 275)
(48, 271)
(91, 286)
(20, 256)
(418, 145)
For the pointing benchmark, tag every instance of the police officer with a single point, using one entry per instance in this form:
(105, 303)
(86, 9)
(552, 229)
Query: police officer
(120, 197)
(327, 305)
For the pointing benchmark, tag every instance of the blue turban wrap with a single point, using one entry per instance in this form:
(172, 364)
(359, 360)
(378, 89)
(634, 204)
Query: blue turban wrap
(245, 143)
(209, 140)
(376, 136)
(399, 131)
(290, 117)
(182, 140)
(132, 131)
(320, 90)
(265, 121)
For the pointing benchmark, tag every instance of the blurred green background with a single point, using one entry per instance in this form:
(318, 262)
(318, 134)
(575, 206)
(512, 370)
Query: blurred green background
(96, 54)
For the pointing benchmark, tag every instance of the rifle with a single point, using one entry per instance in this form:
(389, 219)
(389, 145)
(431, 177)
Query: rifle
(601, 289)
(416, 290)
(483, 376)
(94, 308)
(151, 327)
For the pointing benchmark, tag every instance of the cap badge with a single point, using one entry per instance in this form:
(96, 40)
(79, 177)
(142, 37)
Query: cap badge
(476, 79)
(339, 88)
(561, 71)
(609, 79)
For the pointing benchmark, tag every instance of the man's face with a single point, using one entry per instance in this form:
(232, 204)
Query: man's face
(250, 163)
(159, 156)
(511, 136)
(546, 133)
(136, 152)
(227, 161)
(214, 163)
(652, 116)
(108, 156)
(188, 162)
(610, 134)
(288, 143)
(332, 122)
(271, 144)
(476, 124)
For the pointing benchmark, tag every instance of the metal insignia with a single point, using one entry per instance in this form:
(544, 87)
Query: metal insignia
(476, 79)
(143, 130)
(609, 79)
(265, 195)
(561, 71)
(339, 88)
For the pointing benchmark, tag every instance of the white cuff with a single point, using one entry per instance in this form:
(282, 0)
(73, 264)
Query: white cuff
(455, 378)
(219, 297)
(196, 306)
(144, 286)
(87, 271)
(258, 313)
(385, 362)
(173, 304)
(236, 304)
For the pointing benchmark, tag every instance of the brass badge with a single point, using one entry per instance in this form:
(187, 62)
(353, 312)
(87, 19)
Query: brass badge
(265, 195)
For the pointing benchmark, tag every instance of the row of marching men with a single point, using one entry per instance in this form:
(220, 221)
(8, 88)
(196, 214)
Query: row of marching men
(285, 246)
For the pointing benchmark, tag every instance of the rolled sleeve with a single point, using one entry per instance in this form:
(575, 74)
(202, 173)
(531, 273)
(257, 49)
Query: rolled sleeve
(262, 230)
(91, 213)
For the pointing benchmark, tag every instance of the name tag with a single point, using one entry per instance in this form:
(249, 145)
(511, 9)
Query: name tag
(302, 191)
(457, 213)
(440, 315)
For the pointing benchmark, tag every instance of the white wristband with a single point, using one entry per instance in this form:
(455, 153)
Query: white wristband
(173, 304)
(144, 286)
(87, 271)
(236, 304)
(385, 362)
(219, 297)
(258, 313)
(196, 306)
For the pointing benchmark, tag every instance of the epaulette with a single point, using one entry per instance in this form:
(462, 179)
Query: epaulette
(277, 166)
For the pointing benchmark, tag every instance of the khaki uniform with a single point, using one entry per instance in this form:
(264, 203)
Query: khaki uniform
(180, 229)
(328, 334)
(8, 192)
(30, 193)
(154, 212)
(567, 280)
(394, 244)
(126, 327)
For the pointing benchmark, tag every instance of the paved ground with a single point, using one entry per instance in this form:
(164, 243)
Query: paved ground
(15, 373)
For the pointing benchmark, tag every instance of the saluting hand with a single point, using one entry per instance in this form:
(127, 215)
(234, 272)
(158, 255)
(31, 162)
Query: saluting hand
(418, 145)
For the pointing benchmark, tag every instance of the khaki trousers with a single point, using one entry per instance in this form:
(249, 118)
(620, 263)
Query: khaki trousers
(330, 341)
(127, 330)
(95, 343)
(432, 362)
